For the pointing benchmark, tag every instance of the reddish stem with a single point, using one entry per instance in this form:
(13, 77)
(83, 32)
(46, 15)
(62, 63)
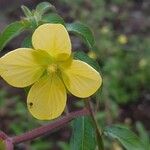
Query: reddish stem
(49, 128)
(9, 144)
(3, 136)
(7, 141)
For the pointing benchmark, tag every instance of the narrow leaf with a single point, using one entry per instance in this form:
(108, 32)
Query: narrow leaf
(83, 136)
(126, 137)
(43, 7)
(100, 142)
(83, 31)
(10, 32)
(26, 11)
(53, 18)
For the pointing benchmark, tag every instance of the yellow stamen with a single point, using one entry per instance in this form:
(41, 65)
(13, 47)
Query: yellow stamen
(52, 68)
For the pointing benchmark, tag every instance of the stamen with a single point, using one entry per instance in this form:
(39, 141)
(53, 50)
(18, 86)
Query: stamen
(52, 68)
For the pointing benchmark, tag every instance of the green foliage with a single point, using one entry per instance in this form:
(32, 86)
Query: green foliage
(41, 145)
(32, 20)
(125, 69)
(124, 83)
(125, 136)
(44, 7)
(144, 136)
(41, 9)
(83, 31)
(83, 136)
(26, 11)
(22, 122)
(64, 145)
(10, 32)
(27, 42)
(53, 18)
(100, 143)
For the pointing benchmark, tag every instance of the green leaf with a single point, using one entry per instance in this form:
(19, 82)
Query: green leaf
(53, 18)
(83, 31)
(10, 32)
(83, 136)
(43, 7)
(27, 42)
(100, 142)
(126, 137)
(144, 136)
(26, 11)
(84, 57)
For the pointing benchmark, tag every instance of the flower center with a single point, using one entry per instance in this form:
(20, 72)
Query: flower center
(53, 68)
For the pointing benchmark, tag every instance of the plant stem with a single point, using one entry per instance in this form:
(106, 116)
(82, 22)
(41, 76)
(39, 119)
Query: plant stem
(49, 128)
(7, 141)
(3, 136)
(98, 132)
(9, 144)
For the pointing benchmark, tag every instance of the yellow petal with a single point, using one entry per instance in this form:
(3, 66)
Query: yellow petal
(81, 79)
(22, 67)
(54, 39)
(1, 68)
(47, 98)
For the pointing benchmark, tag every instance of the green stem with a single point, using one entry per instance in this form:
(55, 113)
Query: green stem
(98, 131)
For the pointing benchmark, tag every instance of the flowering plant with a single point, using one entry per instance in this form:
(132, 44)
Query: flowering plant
(50, 70)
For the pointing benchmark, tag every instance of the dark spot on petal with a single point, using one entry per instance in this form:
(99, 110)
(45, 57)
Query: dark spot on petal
(31, 104)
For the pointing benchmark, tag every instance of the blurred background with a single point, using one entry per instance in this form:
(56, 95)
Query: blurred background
(121, 29)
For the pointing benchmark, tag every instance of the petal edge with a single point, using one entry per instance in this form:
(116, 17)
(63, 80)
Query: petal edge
(47, 98)
(54, 39)
(20, 68)
(81, 79)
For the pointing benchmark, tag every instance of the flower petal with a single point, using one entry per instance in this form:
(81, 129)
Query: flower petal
(81, 79)
(54, 39)
(22, 67)
(47, 98)
(1, 68)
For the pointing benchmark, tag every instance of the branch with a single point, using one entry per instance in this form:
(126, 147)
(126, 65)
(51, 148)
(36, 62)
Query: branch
(49, 128)
(7, 141)
(3, 136)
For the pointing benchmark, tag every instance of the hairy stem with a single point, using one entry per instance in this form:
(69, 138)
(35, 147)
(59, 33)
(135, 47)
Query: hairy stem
(49, 128)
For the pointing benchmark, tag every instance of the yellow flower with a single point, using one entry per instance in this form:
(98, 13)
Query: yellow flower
(51, 71)
(92, 55)
(105, 29)
(122, 39)
(143, 63)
